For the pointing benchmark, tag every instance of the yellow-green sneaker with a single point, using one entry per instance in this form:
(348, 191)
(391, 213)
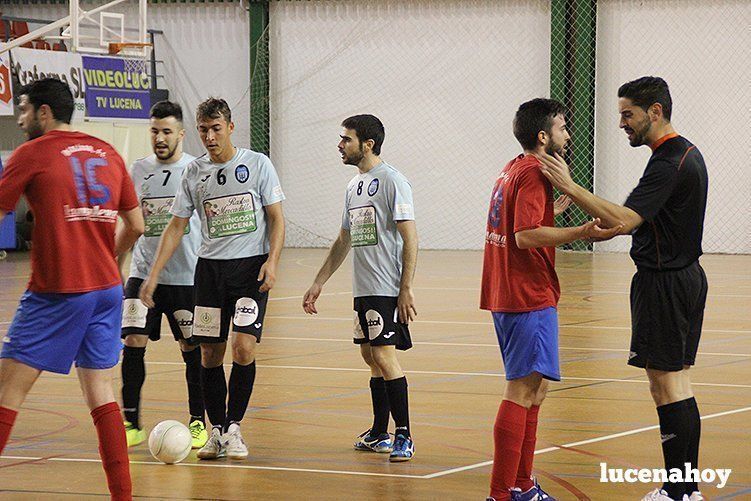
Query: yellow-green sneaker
(133, 435)
(199, 433)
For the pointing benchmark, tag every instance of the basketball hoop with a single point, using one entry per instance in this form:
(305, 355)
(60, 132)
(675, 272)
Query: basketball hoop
(136, 60)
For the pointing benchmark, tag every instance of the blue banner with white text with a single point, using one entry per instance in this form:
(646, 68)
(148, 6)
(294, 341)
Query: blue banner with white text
(114, 89)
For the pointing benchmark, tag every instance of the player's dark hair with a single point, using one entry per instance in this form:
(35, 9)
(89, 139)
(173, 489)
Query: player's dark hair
(535, 116)
(213, 108)
(164, 109)
(367, 127)
(52, 92)
(646, 91)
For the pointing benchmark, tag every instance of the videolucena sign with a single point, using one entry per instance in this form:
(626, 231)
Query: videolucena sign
(103, 87)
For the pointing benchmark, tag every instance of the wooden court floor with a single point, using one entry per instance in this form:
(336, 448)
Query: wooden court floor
(311, 396)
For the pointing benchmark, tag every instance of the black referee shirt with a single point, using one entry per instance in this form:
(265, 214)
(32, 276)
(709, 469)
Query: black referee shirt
(671, 197)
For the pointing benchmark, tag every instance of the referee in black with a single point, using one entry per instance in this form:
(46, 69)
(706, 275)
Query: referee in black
(665, 215)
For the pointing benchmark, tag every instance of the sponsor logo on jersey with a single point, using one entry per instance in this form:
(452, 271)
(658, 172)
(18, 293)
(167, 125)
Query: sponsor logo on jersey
(242, 173)
(184, 320)
(373, 187)
(205, 178)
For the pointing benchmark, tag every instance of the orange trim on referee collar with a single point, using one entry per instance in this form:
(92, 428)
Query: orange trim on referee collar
(664, 138)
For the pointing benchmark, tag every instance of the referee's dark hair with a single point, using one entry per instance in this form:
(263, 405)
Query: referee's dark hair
(164, 109)
(646, 91)
(367, 127)
(54, 93)
(535, 116)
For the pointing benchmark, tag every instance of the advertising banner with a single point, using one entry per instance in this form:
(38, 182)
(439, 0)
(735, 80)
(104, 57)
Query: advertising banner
(115, 89)
(6, 91)
(32, 64)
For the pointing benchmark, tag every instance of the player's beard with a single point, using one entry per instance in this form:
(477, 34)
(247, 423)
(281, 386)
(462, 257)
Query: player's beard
(169, 154)
(556, 148)
(640, 133)
(33, 130)
(355, 158)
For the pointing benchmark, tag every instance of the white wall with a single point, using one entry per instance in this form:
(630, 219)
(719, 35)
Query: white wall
(702, 49)
(444, 76)
(205, 53)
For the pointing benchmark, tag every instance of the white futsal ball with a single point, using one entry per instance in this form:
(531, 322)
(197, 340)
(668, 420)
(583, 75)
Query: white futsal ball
(170, 441)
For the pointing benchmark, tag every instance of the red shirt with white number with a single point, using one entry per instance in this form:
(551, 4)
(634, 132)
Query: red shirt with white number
(519, 280)
(75, 185)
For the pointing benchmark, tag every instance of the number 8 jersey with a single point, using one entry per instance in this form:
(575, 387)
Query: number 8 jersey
(156, 184)
(230, 198)
(374, 203)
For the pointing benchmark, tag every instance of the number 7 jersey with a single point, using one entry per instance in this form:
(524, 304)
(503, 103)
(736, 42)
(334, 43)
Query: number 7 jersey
(229, 199)
(156, 184)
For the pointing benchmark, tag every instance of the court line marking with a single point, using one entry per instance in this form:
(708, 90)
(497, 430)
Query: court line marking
(221, 465)
(428, 476)
(490, 323)
(453, 373)
(493, 345)
(581, 442)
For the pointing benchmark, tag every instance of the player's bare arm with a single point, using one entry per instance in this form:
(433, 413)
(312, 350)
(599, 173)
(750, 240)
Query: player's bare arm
(128, 232)
(168, 244)
(546, 236)
(267, 274)
(406, 301)
(557, 171)
(2, 214)
(338, 251)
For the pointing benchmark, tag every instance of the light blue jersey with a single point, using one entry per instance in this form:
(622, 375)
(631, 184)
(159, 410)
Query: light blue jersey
(229, 199)
(373, 204)
(156, 184)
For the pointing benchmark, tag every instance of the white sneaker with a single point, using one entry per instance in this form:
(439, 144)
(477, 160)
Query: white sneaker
(695, 496)
(214, 448)
(657, 495)
(233, 440)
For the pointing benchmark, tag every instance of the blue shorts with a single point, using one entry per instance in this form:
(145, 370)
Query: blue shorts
(529, 343)
(51, 331)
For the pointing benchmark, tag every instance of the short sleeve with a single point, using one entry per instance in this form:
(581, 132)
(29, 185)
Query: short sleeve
(402, 206)
(184, 204)
(15, 178)
(128, 197)
(529, 200)
(268, 183)
(345, 212)
(653, 190)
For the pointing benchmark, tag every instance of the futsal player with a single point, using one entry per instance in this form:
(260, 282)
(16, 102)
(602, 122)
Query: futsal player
(520, 287)
(157, 179)
(665, 216)
(76, 186)
(378, 223)
(241, 241)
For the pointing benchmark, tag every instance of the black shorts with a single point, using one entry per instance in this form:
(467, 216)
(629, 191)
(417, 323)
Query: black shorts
(226, 290)
(377, 315)
(667, 311)
(174, 301)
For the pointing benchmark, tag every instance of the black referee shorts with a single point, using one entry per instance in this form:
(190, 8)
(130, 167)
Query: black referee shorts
(667, 311)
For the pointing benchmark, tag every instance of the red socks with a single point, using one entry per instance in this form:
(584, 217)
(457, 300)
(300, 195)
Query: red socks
(524, 475)
(508, 435)
(113, 449)
(7, 418)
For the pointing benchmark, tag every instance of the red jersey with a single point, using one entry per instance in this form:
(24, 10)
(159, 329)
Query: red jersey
(518, 280)
(75, 185)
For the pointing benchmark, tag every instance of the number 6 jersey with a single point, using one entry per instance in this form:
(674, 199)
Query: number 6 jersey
(230, 198)
(156, 184)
